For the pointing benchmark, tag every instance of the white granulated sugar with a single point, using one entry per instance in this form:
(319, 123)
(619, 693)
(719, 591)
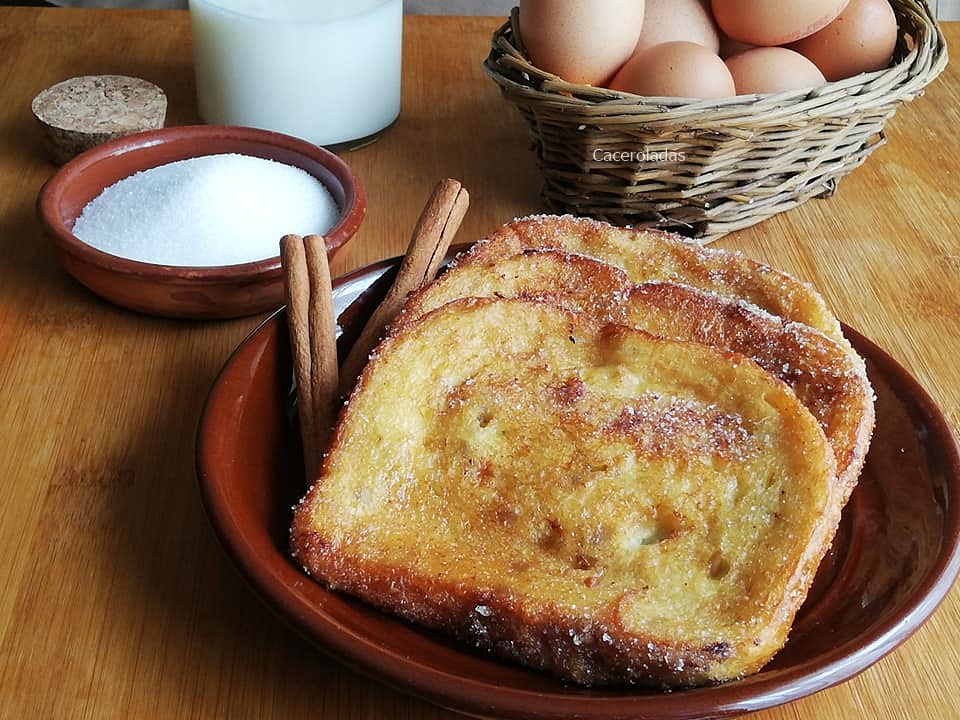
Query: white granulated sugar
(211, 210)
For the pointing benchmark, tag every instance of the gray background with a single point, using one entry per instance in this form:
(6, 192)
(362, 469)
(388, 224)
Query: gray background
(439, 7)
(945, 9)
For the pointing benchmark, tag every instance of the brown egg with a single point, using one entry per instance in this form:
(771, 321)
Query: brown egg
(861, 39)
(668, 20)
(774, 22)
(772, 70)
(675, 69)
(730, 47)
(582, 42)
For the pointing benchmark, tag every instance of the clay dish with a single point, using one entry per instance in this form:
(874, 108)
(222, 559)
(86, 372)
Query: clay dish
(215, 292)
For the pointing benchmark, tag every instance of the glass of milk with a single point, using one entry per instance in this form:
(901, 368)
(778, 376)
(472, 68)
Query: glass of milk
(327, 71)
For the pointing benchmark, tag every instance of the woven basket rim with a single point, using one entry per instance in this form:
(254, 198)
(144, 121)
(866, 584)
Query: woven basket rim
(921, 48)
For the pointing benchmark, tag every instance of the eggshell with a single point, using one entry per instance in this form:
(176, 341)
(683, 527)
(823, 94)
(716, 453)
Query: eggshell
(774, 22)
(675, 69)
(771, 70)
(861, 39)
(669, 20)
(582, 42)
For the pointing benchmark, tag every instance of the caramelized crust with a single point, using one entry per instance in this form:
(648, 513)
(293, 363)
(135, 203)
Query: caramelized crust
(653, 255)
(576, 282)
(581, 497)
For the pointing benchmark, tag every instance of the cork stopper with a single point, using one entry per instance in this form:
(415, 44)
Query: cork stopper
(81, 112)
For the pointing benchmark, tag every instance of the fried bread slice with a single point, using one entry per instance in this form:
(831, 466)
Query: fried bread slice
(576, 282)
(651, 255)
(585, 499)
(829, 379)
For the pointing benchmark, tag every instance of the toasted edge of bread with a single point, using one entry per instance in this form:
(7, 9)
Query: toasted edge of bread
(651, 255)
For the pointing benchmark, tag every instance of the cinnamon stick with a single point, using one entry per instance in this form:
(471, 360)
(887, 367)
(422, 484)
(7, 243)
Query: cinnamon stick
(313, 342)
(294, 261)
(435, 229)
(324, 372)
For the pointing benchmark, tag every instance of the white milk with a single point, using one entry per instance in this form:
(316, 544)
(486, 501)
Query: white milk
(327, 71)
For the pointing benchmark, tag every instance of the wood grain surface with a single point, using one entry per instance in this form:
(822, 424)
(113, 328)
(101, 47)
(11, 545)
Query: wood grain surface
(115, 598)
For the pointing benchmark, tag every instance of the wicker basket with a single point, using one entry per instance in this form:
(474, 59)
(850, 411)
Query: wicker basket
(710, 167)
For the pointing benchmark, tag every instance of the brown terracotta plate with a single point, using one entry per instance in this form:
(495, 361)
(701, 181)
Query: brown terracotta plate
(894, 559)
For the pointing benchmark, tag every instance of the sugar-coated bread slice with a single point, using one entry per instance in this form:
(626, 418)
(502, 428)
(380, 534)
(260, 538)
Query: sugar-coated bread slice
(577, 282)
(649, 255)
(582, 498)
(830, 379)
